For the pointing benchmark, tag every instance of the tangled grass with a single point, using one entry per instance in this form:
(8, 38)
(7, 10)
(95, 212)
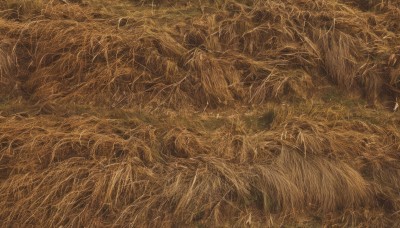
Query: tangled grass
(200, 113)
(92, 171)
(247, 53)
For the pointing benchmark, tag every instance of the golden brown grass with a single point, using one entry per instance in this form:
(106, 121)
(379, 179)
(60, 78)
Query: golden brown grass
(99, 171)
(239, 53)
(214, 113)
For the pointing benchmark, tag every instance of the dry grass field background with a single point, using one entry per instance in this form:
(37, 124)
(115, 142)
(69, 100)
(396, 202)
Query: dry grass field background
(218, 113)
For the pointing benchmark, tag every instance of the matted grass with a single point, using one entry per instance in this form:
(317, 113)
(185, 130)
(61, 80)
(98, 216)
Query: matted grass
(199, 113)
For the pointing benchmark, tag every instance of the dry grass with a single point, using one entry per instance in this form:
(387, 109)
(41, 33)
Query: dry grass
(203, 113)
(239, 53)
(7, 68)
(98, 171)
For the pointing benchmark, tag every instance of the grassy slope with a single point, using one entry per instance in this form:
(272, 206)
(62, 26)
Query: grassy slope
(190, 115)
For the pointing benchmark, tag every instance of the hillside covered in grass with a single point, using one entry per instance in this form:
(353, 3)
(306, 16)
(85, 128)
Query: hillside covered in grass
(205, 113)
